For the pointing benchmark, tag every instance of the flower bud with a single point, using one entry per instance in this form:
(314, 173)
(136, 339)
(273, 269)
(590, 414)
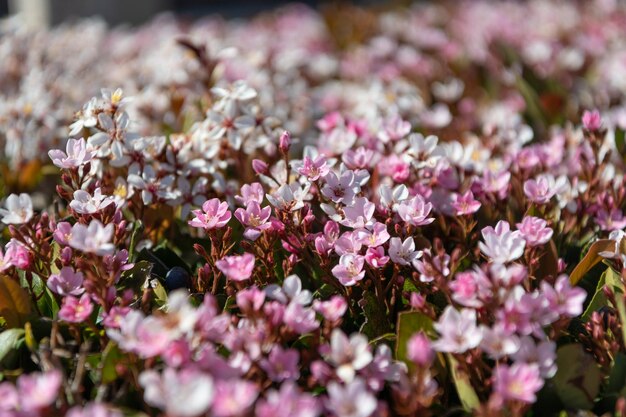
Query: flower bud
(285, 142)
(260, 167)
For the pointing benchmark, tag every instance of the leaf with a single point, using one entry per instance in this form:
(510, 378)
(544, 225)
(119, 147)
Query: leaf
(9, 340)
(136, 277)
(161, 293)
(617, 377)
(376, 321)
(591, 258)
(598, 301)
(577, 381)
(14, 302)
(409, 323)
(464, 388)
(614, 280)
(110, 357)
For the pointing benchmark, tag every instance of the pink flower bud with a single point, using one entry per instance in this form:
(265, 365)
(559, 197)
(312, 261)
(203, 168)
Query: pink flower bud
(419, 350)
(260, 167)
(592, 120)
(285, 142)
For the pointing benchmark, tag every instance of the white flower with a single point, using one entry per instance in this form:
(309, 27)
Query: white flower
(348, 355)
(458, 331)
(289, 197)
(19, 209)
(84, 203)
(403, 253)
(95, 238)
(351, 400)
(187, 393)
(290, 291)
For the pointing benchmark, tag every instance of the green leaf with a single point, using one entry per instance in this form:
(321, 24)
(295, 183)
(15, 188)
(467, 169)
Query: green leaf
(591, 258)
(598, 301)
(577, 381)
(617, 377)
(409, 323)
(9, 340)
(464, 388)
(376, 321)
(160, 292)
(110, 357)
(136, 277)
(614, 280)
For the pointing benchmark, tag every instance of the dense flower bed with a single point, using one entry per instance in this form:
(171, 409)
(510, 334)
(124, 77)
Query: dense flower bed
(348, 213)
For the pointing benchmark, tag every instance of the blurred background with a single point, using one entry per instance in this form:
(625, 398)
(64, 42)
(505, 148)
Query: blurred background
(46, 13)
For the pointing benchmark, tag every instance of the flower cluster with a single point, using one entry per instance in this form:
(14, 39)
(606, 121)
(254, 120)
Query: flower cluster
(421, 214)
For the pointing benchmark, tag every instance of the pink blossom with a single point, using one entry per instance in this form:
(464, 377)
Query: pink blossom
(63, 233)
(500, 244)
(93, 410)
(315, 168)
(95, 238)
(237, 268)
(592, 121)
(348, 355)
(543, 188)
(17, 255)
(66, 282)
(415, 211)
(74, 310)
(299, 318)
(351, 400)
(535, 231)
(611, 220)
(458, 331)
(332, 309)
(233, 397)
(186, 393)
(499, 342)
(255, 219)
(250, 192)
(76, 154)
(465, 204)
(403, 252)
(214, 215)
(375, 236)
(542, 353)
(340, 189)
(359, 214)
(563, 298)
(359, 158)
(471, 288)
(349, 271)
(38, 390)
(281, 364)
(518, 382)
(419, 350)
(375, 257)
(289, 401)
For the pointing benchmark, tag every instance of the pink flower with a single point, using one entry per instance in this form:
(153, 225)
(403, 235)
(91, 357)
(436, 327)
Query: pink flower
(282, 364)
(500, 244)
(535, 231)
(359, 214)
(254, 219)
(237, 268)
(315, 168)
(76, 154)
(333, 309)
(17, 255)
(592, 120)
(214, 215)
(471, 288)
(66, 282)
(458, 331)
(350, 269)
(233, 397)
(563, 298)
(351, 400)
(376, 236)
(289, 401)
(95, 238)
(340, 189)
(250, 192)
(348, 355)
(543, 188)
(187, 393)
(375, 257)
(415, 211)
(519, 382)
(93, 410)
(419, 350)
(613, 220)
(403, 252)
(63, 233)
(74, 310)
(358, 159)
(465, 204)
(542, 353)
(38, 390)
